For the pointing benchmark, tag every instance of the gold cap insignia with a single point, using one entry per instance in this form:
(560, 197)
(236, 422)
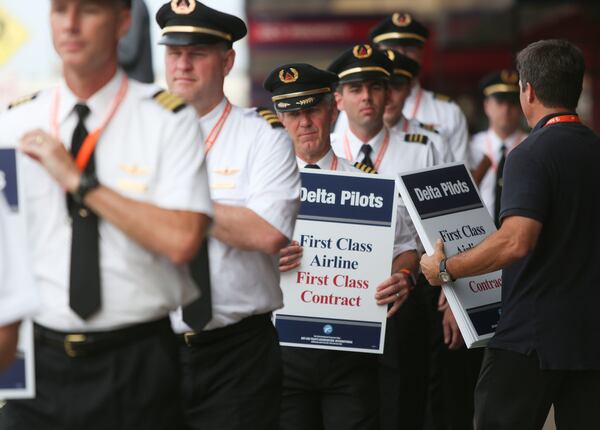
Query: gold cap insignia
(305, 101)
(287, 76)
(509, 76)
(283, 105)
(390, 54)
(183, 7)
(401, 19)
(362, 51)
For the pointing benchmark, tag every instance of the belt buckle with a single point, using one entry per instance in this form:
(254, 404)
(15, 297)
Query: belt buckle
(70, 341)
(188, 337)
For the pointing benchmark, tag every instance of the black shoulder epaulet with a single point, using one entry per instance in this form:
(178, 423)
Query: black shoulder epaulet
(365, 168)
(442, 97)
(22, 100)
(416, 138)
(270, 117)
(429, 127)
(169, 101)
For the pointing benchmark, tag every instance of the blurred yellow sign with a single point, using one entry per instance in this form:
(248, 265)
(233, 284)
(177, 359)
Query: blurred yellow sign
(13, 36)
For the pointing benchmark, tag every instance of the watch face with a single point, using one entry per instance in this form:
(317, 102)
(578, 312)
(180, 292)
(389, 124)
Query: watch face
(445, 277)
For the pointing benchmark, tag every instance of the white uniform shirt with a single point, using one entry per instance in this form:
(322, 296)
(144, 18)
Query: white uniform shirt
(251, 165)
(488, 143)
(399, 156)
(444, 115)
(146, 153)
(441, 150)
(18, 298)
(404, 237)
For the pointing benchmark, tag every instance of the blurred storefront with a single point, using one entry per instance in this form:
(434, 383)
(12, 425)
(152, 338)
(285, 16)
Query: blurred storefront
(468, 39)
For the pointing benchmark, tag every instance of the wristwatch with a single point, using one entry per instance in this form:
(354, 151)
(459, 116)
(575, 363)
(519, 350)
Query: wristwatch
(87, 183)
(444, 275)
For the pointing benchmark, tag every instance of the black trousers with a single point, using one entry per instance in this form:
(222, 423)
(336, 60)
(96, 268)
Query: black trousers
(133, 385)
(514, 393)
(452, 375)
(403, 370)
(329, 390)
(232, 377)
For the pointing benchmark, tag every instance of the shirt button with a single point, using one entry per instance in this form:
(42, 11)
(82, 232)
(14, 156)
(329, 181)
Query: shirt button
(83, 213)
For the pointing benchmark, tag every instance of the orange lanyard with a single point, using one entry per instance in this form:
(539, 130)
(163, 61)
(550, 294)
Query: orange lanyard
(384, 146)
(404, 123)
(563, 118)
(216, 130)
(89, 144)
(417, 103)
(490, 151)
(334, 163)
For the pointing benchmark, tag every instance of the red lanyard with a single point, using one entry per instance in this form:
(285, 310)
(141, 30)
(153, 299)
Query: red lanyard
(563, 118)
(216, 130)
(384, 146)
(89, 144)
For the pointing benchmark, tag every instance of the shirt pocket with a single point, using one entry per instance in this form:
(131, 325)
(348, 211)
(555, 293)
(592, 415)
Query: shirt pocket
(228, 185)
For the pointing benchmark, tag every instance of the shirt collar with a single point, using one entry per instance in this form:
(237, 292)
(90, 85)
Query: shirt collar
(542, 122)
(324, 163)
(209, 120)
(375, 142)
(510, 141)
(98, 103)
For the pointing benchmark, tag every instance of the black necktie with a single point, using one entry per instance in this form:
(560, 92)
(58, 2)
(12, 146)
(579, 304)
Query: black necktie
(499, 185)
(312, 166)
(198, 313)
(84, 291)
(367, 149)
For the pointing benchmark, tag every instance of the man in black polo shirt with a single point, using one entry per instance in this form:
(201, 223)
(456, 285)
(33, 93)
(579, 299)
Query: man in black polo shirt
(546, 349)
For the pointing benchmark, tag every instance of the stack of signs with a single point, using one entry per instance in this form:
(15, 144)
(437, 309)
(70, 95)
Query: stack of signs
(443, 203)
(346, 227)
(16, 382)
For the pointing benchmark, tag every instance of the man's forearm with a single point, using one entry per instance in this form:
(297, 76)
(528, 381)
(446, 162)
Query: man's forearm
(406, 260)
(172, 233)
(242, 228)
(500, 249)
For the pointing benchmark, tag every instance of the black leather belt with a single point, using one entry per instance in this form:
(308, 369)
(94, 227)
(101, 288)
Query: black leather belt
(253, 322)
(79, 344)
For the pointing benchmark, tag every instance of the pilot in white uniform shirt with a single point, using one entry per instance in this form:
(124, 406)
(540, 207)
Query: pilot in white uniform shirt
(442, 114)
(487, 143)
(149, 152)
(250, 164)
(390, 155)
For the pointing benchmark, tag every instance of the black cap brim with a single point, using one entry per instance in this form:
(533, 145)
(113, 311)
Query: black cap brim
(364, 76)
(186, 39)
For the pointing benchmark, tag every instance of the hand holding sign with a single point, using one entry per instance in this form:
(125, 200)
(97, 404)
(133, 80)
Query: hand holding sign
(430, 264)
(290, 256)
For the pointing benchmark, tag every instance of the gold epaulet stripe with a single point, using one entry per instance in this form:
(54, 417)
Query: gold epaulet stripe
(442, 97)
(365, 168)
(169, 101)
(270, 117)
(429, 127)
(416, 138)
(22, 100)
